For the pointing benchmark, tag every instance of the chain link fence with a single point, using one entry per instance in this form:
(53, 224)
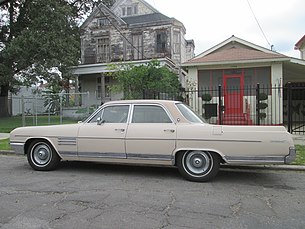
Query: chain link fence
(45, 109)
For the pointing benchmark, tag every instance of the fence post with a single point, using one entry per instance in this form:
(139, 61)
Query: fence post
(88, 100)
(60, 108)
(289, 107)
(22, 111)
(219, 105)
(257, 105)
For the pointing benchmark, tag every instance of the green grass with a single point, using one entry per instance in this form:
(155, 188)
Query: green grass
(4, 144)
(300, 160)
(10, 123)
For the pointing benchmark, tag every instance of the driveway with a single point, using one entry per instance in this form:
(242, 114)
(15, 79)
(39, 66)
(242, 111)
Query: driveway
(90, 195)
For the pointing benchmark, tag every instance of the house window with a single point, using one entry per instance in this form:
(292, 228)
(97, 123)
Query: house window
(129, 11)
(103, 84)
(98, 87)
(137, 42)
(103, 50)
(161, 42)
(107, 86)
(103, 22)
(177, 43)
(135, 9)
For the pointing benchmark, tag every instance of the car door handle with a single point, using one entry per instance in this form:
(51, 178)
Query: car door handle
(169, 130)
(120, 130)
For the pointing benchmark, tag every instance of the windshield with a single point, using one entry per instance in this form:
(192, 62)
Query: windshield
(189, 114)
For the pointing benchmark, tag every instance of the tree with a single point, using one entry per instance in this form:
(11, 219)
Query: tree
(145, 81)
(39, 39)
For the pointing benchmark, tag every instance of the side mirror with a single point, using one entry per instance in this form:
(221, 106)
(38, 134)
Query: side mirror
(100, 121)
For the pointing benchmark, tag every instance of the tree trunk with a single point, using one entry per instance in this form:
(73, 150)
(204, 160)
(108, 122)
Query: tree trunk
(4, 103)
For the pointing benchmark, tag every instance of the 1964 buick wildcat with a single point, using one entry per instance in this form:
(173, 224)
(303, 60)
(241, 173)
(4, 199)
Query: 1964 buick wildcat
(154, 132)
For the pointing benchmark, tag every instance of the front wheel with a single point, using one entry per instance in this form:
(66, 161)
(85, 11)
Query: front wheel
(198, 165)
(42, 156)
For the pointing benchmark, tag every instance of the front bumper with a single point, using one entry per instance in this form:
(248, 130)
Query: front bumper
(291, 156)
(18, 147)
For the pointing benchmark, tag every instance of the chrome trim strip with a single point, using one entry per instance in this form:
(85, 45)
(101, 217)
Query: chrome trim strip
(102, 155)
(68, 153)
(221, 140)
(254, 159)
(159, 157)
(150, 139)
(18, 147)
(66, 141)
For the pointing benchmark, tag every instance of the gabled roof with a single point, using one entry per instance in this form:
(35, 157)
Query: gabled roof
(299, 43)
(119, 2)
(151, 18)
(105, 10)
(234, 50)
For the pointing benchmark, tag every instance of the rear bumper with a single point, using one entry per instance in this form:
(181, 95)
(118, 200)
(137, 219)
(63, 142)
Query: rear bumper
(18, 147)
(291, 156)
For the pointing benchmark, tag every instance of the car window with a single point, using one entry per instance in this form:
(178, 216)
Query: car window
(112, 114)
(95, 117)
(115, 114)
(149, 114)
(189, 114)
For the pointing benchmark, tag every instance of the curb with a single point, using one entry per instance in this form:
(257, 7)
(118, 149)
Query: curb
(248, 167)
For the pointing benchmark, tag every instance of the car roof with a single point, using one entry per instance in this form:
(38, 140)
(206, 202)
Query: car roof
(141, 101)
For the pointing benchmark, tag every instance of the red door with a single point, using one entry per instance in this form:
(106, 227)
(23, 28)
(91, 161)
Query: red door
(233, 94)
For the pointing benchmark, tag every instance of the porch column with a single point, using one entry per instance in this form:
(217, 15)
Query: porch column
(192, 86)
(277, 93)
(77, 91)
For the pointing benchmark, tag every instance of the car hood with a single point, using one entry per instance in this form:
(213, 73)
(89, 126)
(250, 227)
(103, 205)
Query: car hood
(66, 130)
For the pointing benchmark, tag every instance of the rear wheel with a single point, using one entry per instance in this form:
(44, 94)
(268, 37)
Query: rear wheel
(198, 165)
(42, 156)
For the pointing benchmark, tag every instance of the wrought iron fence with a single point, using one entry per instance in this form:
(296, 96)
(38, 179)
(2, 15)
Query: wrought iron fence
(248, 105)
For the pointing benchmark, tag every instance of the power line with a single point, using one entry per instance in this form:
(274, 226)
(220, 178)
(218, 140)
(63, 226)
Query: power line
(260, 27)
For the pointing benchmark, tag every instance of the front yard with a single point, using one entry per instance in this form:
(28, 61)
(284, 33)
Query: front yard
(10, 123)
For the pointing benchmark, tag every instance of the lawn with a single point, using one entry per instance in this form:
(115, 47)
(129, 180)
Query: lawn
(300, 160)
(4, 144)
(10, 123)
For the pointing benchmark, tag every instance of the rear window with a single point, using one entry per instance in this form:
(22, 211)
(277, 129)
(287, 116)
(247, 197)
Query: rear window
(189, 114)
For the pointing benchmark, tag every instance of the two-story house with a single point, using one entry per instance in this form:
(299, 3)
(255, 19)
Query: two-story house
(300, 45)
(131, 31)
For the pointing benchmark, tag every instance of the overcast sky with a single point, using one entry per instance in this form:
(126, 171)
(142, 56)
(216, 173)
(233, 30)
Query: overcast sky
(210, 22)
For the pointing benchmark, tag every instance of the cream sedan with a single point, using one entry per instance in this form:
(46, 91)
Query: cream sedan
(153, 132)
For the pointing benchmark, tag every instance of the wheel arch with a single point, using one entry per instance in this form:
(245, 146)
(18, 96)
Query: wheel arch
(177, 152)
(32, 139)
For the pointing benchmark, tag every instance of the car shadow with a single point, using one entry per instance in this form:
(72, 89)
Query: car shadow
(225, 175)
(122, 169)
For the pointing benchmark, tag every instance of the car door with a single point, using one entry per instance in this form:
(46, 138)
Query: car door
(151, 134)
(104, 135)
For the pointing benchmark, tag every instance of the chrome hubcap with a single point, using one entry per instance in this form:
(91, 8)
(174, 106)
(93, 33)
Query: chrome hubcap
(41, 154)
(198, 162)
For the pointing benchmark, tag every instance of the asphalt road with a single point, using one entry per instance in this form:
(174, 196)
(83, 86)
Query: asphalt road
(86, 195)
